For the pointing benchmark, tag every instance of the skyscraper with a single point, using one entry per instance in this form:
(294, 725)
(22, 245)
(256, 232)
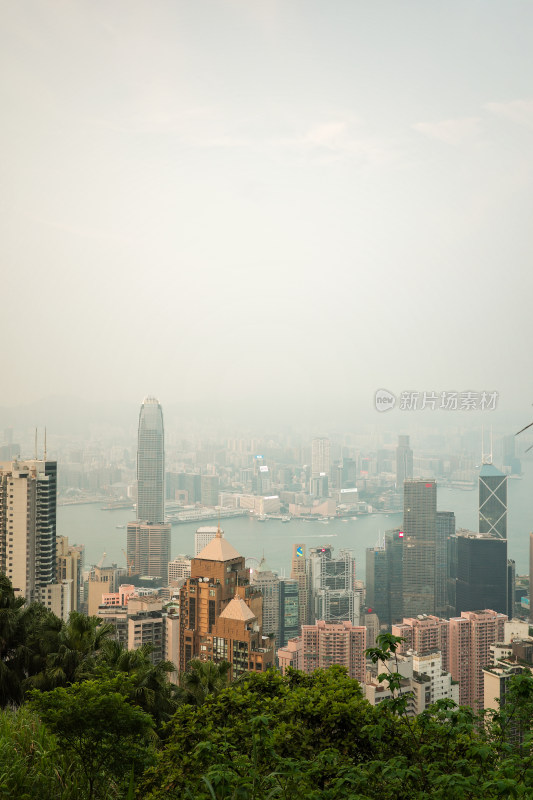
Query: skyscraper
(419, 553)
(404, 461)
(28, 499)
(320, 456)
(335, 596)
(481, 572)
(492, 502)
(148, 538)
(377, 596)
(151, 463)
(300, 574)
(445, 530)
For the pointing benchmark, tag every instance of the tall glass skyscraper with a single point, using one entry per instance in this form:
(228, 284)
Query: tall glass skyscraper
(419, 547)
(492, 501)
(151, 463)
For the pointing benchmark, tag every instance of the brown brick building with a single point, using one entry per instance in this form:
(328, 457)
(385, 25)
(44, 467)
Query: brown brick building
(221, 612)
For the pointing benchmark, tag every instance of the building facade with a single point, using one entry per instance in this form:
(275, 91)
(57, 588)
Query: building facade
(221, 612)
(151, 463)
(419, 547)
(492, 502)
(28, 501)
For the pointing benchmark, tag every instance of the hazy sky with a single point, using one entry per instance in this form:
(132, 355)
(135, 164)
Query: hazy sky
(287, 202)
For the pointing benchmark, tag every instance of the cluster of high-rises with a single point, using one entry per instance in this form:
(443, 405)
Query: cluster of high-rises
(448, 593)
(427, 567)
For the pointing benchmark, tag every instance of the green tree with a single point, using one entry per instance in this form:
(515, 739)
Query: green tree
(74, 652)
(203, 679)
(27, 633)
(95, 724)
(152, 690)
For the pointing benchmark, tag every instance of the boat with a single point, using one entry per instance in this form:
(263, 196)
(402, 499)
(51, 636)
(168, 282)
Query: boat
(120, 527)
(285, 519)
(262, 518)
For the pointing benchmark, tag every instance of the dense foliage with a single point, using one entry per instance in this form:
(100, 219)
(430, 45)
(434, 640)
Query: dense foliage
(85, 719)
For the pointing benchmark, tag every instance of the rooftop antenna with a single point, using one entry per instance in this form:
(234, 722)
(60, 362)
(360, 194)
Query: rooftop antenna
(45, 444)
(36, 444)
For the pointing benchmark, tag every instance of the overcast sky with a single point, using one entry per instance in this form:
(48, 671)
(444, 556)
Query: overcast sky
(283, 202)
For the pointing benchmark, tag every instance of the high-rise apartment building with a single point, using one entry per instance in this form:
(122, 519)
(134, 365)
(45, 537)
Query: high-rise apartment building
(151, 463)
(492, 502)
(323, 644)
(419, 548)
(470, 638)
(28, 499)
(320, 456)
(404, 461)
(424, 634)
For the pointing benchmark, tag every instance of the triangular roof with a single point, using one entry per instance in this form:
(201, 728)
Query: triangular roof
(219, 549)
(237, 609)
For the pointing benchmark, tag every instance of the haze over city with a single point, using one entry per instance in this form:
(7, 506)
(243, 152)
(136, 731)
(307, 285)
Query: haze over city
(264, 210)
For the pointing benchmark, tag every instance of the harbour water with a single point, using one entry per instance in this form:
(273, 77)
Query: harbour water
(98, 531)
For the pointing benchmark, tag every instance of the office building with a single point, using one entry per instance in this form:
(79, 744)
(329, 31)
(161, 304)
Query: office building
(481, 572)
(221, 612)
(492, 502)
(445, 530)
(419, 547)
(102, 580)
(148, 547)
(203, 536)
(404, 462)
(320, 456)
(179, 568)
(335, 597)
(300, 574)
(209, 486)
(394, 549)
(289, 609)
(377, 596)
(470, 638)
(69, 569)
(267, 582)
(151, 463)
(28, 499)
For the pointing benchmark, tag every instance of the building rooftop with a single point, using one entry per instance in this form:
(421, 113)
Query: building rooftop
(237, 609)
(218, 549)
(489, 470)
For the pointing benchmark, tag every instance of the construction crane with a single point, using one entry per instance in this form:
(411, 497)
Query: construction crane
(128, 563)
(101, 562)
